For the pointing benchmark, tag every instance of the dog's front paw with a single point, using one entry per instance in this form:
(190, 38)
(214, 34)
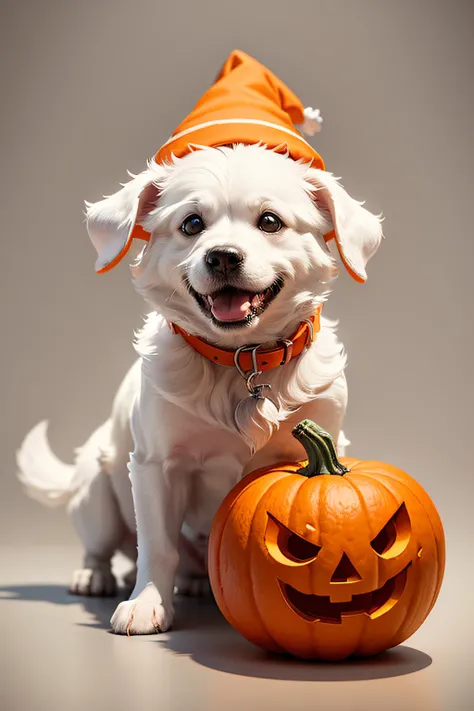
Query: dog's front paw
(94, 582)
(144, 614)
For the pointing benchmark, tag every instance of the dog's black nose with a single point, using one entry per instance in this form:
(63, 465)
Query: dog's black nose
(224, 259)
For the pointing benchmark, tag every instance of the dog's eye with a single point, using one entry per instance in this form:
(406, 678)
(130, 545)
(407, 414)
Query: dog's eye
(269, 222)
(192, 225)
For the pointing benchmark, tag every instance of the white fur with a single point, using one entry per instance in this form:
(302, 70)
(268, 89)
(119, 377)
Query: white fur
(44, 476)
(193, 430)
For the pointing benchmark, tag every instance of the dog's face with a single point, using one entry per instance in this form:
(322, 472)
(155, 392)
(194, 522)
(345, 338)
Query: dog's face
(237, 252)
(237, 244)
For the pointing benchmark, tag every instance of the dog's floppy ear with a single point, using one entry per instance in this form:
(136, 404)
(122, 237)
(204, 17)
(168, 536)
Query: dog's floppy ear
(113, 223)
(356, 230)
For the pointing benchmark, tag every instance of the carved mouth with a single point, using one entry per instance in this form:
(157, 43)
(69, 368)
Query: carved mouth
(231, 307)
(319, 607)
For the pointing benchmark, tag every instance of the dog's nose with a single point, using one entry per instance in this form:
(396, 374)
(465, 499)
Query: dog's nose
(224, 259)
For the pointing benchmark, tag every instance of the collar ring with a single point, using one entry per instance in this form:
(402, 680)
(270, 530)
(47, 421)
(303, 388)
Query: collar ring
(250, 375)
(310, 333)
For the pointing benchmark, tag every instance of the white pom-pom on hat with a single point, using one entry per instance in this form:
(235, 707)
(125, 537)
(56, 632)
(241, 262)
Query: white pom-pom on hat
(312, 121)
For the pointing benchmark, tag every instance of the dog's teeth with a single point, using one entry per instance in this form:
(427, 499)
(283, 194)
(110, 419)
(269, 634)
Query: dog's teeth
(210, 300)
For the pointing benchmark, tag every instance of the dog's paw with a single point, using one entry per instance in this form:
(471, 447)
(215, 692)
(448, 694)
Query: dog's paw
(197, 586)
(93, 582)
(143, 615)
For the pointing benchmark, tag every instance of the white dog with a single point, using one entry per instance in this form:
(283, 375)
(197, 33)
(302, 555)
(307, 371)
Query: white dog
(237, 258)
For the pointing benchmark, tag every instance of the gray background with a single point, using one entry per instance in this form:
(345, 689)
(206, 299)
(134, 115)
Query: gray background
(94, 88)
(91, 89)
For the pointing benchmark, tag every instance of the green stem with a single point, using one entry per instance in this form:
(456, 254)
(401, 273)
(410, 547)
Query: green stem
(322, 457)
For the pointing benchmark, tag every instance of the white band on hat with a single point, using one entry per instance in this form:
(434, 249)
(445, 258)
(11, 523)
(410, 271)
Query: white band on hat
(220, 122)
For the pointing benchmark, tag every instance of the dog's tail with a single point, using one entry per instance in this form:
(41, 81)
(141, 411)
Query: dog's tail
(44, 477)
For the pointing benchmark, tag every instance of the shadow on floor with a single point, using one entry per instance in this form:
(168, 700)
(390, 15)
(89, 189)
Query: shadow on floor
(201, 633)
(226, 651)
(99, 608)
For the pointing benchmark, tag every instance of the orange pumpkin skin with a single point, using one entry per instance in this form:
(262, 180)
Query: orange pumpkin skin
(327, 567)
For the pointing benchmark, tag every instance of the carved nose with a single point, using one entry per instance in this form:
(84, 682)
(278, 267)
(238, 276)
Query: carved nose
(224, 260)
(345, 571)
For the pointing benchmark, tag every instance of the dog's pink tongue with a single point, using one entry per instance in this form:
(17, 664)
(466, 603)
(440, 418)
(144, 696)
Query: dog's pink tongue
(231, 305)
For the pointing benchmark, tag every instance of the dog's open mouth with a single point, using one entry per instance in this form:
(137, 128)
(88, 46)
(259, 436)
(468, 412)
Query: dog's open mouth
(230, 305)
(320, 607)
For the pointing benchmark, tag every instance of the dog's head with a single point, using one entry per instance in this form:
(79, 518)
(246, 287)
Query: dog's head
(237, 251)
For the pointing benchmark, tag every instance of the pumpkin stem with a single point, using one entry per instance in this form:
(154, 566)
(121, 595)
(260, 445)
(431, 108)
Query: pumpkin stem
(322, 457)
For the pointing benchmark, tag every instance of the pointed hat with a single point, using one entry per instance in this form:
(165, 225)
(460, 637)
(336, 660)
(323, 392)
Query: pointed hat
(246, 104)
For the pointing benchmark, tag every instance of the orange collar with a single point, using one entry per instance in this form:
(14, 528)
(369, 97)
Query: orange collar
(253, 358)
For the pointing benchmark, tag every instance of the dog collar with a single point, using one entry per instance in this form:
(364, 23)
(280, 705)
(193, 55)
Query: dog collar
(253, 359)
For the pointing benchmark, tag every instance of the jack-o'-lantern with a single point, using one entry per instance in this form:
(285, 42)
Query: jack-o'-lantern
(325, 559)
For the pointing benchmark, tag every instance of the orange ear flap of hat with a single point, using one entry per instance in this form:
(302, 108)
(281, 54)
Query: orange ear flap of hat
(247, 104)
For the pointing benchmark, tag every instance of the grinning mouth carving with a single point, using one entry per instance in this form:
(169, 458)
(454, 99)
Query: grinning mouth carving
(230, 306)
(319, 607)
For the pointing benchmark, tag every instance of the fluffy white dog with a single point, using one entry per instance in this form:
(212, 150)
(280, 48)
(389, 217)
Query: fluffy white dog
(237, 257)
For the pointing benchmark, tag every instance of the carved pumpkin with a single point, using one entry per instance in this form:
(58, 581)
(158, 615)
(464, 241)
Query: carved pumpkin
(326, 559)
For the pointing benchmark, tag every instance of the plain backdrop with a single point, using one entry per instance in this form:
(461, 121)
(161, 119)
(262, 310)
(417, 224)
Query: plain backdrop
(93, 88)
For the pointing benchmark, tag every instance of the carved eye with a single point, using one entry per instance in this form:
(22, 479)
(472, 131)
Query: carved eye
(286, 546)
(394, 536)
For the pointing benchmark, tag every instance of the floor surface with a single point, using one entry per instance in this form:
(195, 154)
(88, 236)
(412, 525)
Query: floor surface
(57, 653)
